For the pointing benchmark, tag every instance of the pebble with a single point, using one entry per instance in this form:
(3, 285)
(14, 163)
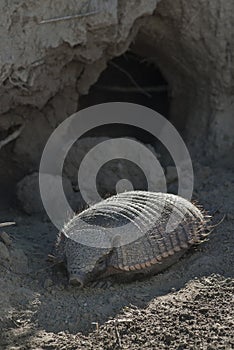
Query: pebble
(6, 239)
(28, 192)
(48, 283)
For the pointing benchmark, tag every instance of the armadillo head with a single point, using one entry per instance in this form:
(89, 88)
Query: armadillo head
(85, 263)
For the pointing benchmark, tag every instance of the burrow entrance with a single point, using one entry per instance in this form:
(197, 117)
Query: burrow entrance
(128, 78)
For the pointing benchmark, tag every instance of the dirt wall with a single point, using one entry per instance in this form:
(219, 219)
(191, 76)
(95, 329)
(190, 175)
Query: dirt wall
(51, 55)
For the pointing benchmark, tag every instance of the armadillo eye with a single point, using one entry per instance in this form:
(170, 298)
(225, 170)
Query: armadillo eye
(101, 261)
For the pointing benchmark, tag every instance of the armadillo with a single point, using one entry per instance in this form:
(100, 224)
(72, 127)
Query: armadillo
(147, 232)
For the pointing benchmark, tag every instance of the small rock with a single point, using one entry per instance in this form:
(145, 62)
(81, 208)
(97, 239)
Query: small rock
(113, 174)
(4, 252)
(171, 174)
(48, 283)
(28, 192)
(6, 239)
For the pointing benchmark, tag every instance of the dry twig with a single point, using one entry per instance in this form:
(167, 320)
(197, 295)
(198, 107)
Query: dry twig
(65, 18)
(131, 79)
(5, 224)
(11, 137)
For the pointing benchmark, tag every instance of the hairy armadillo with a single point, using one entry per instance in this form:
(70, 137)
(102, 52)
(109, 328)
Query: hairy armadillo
(132, 233)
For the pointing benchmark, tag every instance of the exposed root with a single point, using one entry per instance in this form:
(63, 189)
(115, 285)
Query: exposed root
(129, 89)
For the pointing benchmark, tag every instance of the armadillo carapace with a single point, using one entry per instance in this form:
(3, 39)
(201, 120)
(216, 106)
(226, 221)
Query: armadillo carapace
(133, 233)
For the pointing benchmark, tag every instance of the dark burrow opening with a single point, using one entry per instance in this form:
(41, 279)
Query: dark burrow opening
(128, 78)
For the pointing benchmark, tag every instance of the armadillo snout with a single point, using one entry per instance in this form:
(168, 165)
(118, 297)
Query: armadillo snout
(75, 281)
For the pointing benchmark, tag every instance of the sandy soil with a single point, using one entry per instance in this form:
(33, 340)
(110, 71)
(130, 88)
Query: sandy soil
(189, 306)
